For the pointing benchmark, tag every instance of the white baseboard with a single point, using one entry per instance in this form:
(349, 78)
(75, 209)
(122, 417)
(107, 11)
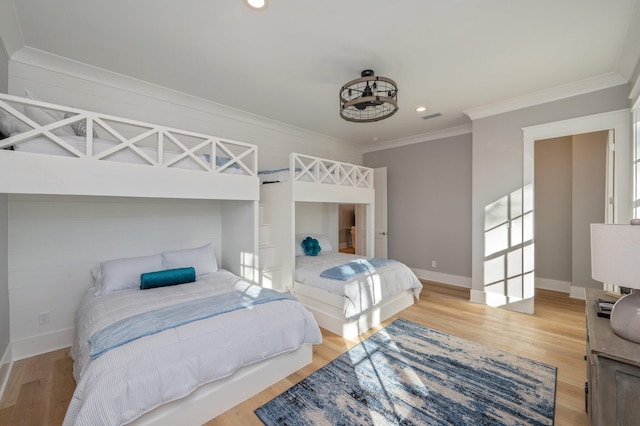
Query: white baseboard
(438, 277)
(555, 285)
(478, 296)
(32, 346)
(6, 364)
(577, 293)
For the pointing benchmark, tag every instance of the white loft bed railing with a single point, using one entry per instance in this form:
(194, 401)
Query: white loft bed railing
(314, 180)
(320, 180)
(116, 153)
(320, 170)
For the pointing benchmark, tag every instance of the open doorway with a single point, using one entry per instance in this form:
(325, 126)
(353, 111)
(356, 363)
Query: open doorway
(570, 187)
(617, 125)
(347, 228)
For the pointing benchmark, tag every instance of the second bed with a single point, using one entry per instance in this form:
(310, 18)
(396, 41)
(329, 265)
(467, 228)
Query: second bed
(348, 294)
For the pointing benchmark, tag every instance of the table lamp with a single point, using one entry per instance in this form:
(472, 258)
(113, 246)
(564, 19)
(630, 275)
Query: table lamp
(615, 259)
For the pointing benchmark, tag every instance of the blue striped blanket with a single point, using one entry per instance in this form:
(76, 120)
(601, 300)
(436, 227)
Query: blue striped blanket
(355, 267)
(157, 320)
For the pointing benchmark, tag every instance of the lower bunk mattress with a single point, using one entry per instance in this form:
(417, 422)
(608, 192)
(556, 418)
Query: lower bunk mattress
(130, 356)
(363, 287)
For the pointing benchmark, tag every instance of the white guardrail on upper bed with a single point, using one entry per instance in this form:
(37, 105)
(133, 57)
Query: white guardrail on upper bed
(320, 170)
(101, 137)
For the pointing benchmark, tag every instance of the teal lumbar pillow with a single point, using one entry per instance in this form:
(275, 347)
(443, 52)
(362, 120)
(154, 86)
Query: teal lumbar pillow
(310, 246)
(167, 277)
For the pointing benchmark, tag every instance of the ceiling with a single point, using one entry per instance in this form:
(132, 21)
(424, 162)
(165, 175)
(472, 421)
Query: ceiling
(289, 61)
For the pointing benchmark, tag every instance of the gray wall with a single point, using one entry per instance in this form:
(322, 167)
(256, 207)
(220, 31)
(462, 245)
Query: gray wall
(569, 196)
(429, 203)
(498, 156)
(4, 279)
(589, 174)
(553, 208)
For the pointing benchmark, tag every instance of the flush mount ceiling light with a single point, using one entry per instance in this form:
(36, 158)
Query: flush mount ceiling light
(257, 4)
(368, 98)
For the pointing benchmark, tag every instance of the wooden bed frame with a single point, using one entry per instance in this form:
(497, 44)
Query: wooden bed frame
(318, 180)
(86, 173)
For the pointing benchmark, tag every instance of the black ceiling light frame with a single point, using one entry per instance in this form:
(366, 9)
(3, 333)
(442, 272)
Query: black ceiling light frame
(368, 98)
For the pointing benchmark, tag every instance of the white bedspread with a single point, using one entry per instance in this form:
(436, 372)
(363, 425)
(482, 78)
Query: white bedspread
(128, 381)
(362, 291)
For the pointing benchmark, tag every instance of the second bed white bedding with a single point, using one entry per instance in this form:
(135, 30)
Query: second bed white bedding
(361, 292)
(125, 382)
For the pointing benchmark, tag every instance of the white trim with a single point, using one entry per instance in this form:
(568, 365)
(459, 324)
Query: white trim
(478, 296)
(620, 121)
(439, 277)
(635, 93)
(5, 373)
(425, 137)
(555, 285)
(577, 293)
(576, 88)
(42, 343)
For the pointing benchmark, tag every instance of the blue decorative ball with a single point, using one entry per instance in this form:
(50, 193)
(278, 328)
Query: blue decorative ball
(310, 246)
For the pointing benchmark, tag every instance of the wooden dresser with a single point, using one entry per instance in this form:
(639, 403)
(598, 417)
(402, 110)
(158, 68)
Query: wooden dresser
(613, 370)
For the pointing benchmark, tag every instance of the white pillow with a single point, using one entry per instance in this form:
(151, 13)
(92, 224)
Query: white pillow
(45, 116)
(10, 125)
(124, 274)
(203, 259)
(298, 243)
(323, 242)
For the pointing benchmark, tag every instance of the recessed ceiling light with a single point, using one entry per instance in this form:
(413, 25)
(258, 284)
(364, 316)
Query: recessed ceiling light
(421, 108)
(257, 4)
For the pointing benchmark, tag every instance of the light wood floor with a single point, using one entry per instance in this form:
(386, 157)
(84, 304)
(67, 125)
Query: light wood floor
(40, 388)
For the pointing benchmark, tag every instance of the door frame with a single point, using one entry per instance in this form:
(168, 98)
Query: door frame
(620, 122)
(381, 220)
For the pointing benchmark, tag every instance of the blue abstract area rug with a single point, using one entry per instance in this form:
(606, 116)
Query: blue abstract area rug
(408, 374)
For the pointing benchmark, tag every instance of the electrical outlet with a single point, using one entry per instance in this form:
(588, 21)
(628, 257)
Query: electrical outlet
(44, 318)
(434, 264)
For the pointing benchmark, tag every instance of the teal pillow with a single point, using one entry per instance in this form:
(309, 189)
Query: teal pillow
(310, 246)
(167, 277)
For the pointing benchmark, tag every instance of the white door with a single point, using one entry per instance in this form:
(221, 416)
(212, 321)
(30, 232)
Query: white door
(380, 186)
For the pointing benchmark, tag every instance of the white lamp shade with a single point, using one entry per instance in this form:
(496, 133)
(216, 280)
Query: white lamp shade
(615, 254)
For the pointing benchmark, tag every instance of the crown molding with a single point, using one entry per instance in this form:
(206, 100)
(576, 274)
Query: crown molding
(424, 137)
(576, 88)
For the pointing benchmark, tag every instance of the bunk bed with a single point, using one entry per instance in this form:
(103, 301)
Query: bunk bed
(295, 203)
(57, 150)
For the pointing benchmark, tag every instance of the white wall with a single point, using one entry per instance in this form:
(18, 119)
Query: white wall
(318, 218)
(55, 240)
